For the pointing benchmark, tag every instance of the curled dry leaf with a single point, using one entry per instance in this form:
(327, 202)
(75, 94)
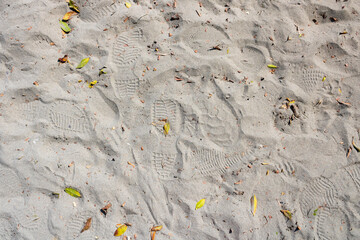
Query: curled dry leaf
(68, 15)
(153, 235)
(253, 202)
(65, 27)
(120, 230)
(83, 63)
(286, 213)
(73, 192)
(157, 228)
(104, 210)
(87, 225)
(357, 148)
(348, 152)
(200, 204)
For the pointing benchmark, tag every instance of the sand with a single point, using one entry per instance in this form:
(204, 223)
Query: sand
(238, 128)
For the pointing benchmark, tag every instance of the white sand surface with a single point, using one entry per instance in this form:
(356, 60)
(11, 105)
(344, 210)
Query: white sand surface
(238, 128)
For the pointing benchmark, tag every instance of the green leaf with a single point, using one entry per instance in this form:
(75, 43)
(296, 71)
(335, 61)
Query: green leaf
(65, 27)
(73, 6)
(73, 192)
(83, 63)
(315, 211)
(272, 66)
(200, 204)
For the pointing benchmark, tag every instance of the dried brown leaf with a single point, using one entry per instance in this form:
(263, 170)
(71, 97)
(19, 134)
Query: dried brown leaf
(87, 225)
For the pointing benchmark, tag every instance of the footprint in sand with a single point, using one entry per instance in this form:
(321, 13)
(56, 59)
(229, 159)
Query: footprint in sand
(77, 223)
(10, 183)
(95, 11)
(65, 118)
(167, 109)
(334, 203)
(126, 53)
(8, 229)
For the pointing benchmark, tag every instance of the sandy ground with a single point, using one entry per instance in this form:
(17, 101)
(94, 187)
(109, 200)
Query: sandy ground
(239, 128)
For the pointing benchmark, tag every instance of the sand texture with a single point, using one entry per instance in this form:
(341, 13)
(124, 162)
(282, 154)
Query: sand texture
(188, 106)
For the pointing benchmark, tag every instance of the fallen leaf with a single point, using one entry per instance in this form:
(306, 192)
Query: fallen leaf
(73, 192)
(73, 6)
(36, 83)
(121, 230)
(166, 128)
(355, 146)
(128, 5)
(315, 211)
(271, 66)
(131, 164)
(200, 204)
(153, 235)
(342, 33)
(348, 152)
(343, 103)
(55, 194)
(92, 84)
(87, 225)
(63, 59)
(286, 213)
(83, 63)
(101, 71)
(324, 78)
(68, 15)
(104, 210)
(157, 228)
(253, 201)
(65, 27)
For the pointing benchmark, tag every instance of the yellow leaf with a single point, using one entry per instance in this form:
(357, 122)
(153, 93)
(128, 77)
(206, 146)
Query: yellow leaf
(73, 6)
(286, 213)
(340, 90)
(121, 230)
(267, 172)
(200, 204)
(253, 201)
(264, 163)
(324, 78)
(92, 84)
(102, 71)
(68, 15)
(157, 228)
(128, 5)
(272, 66)
(73, 192)
(83, 63)
(227, 51)
(166, 128)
